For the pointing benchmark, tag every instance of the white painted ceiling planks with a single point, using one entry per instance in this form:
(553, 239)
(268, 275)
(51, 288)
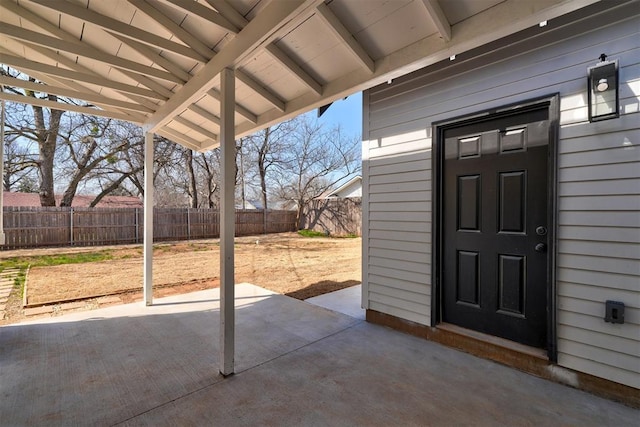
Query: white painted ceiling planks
(156, 62)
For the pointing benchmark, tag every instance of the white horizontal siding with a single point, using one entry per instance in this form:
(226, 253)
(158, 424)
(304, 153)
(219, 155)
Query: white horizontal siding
(604, 264)
(598, 218)
(570, 301)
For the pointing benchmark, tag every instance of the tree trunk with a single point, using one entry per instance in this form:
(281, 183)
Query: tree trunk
(193, 191)
(47, 141)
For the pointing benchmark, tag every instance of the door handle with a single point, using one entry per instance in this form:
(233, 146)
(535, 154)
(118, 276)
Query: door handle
(541, 247)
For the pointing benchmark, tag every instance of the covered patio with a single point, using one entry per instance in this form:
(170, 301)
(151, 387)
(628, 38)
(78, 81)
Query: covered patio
(203, 74)
(296, 364)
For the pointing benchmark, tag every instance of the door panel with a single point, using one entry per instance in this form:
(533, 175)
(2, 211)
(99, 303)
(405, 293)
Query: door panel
(495, 196)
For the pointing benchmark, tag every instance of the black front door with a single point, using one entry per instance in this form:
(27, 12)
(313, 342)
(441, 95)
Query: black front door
(495, 233)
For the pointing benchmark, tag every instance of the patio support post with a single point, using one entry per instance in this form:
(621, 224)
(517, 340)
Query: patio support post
(227, 221)
(2, 236)
(148, 219)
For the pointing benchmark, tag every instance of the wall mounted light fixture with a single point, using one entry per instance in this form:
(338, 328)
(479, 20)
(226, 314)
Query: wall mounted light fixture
(602, 90)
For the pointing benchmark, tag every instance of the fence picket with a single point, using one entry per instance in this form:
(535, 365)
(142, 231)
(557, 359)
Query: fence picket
(31, 227)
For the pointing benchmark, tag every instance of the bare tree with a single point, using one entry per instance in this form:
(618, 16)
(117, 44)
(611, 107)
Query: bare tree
(318, 159)
(270, 146)
(209, 165)
(19, 166)
(71, 151)
(42, 127)
(192, 189)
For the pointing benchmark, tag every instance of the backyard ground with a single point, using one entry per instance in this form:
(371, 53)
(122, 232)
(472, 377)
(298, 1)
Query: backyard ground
(285, 263)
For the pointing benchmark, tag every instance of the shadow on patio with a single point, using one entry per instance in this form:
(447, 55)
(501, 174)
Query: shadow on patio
(296, 364)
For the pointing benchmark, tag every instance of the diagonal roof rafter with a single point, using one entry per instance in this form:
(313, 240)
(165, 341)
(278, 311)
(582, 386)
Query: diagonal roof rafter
(113, 25)
(189, 39)
(68, 93)
(56, 105)
(434, 10)
(271, 22)
(340, 31)
(87, 94)
(205, 13)
(84, 50)
(27, 65)
(229, 13)
(295, 69)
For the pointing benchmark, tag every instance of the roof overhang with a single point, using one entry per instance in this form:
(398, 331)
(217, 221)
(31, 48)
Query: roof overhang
(157, 62)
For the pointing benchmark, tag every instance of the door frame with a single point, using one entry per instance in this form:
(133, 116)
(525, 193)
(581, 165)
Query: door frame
(552, 103)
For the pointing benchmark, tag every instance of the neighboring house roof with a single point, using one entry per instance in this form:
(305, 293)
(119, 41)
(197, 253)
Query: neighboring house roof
(12, 199)
(351, 188)
(253, 204)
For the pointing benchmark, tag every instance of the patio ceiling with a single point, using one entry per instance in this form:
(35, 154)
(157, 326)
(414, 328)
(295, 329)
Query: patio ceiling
(157, 62)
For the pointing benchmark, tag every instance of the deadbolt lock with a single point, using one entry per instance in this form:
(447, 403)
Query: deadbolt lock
(541, 231)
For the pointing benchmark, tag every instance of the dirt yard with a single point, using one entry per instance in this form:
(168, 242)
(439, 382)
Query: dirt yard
(284, 263)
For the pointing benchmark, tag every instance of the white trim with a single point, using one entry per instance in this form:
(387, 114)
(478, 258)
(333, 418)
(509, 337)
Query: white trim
(227, 222)
(148, 220)
(365, 201)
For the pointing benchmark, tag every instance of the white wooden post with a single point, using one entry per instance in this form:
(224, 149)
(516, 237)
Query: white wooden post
(2, 236)
(227, 221)
(148, 219)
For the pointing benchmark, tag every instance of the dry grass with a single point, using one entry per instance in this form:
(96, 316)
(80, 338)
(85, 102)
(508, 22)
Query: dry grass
(284, 263)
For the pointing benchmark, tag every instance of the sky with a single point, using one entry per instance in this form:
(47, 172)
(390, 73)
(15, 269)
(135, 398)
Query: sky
(347, 113)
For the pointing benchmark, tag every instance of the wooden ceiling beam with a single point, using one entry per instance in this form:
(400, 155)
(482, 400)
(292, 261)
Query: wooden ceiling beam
(68, 93)
(196, 128)
(295, 69)
(152, 55)
(26, 65)
(113, 25)
(74, 86)
(205, 114)
(189, 39)
(229, 12)
(244, 112)
(275, 18)
(340, 31)
(29, 100)
(495, 23)
(206, 13)
(85, 51)
(260, 90)
(179, 138)
(72, 65)
(26, 14)
(439, 18)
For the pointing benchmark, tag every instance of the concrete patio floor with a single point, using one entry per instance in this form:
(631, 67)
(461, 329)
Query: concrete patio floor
(296, 363)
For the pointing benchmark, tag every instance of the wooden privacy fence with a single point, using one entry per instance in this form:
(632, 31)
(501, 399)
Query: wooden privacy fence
(337, 217)
(31, 227)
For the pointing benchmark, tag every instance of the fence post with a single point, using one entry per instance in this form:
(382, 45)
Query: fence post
(188, 225)
(135, 222)
(71, 224)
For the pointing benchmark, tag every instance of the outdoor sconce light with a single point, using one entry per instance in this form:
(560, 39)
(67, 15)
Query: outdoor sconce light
(603, 90)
